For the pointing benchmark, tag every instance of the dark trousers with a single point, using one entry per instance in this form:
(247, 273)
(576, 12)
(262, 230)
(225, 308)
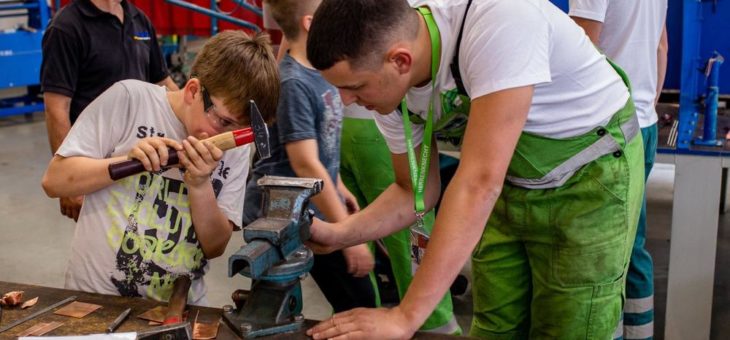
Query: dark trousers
(342, 290)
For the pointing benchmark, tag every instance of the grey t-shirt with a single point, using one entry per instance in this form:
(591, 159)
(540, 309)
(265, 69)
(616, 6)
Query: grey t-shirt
(136, 235)
(309, 108)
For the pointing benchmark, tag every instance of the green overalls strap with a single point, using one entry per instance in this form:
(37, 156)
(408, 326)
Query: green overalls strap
(552, 260)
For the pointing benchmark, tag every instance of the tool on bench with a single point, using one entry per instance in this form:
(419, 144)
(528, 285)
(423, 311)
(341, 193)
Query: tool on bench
(275, 258)
(178, 300)
(178, 331)
(118, 321)
(258, 133)
(36, 314)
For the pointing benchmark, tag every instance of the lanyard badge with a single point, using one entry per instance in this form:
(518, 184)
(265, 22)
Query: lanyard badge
(419, 172)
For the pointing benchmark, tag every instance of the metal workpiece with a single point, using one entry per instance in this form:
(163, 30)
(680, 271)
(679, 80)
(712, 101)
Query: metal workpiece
(275, 258)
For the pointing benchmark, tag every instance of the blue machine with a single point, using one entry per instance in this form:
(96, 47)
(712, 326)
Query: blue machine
(700, 74)
(694, 68)
(20, 55)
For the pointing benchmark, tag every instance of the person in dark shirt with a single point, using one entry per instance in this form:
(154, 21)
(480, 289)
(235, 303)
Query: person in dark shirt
(90, 45)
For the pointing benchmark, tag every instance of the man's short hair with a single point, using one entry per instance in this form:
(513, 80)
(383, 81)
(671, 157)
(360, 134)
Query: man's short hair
(288, 13)
(236, 68)
(358, 30)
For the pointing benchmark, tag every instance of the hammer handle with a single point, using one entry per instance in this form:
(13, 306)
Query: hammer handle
(223, 141)
(178, 300)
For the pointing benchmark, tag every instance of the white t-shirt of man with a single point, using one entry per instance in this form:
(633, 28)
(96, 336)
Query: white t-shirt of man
(630, 37)
(515, 43)
(134, 237)
(358, 112)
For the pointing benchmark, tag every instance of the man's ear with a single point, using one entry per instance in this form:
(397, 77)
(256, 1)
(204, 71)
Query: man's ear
(401, 58)
(306, 22)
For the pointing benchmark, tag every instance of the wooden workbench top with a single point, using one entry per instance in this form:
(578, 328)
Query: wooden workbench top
(97, 321)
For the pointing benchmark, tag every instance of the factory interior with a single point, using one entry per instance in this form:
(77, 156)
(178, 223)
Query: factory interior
(258, 283)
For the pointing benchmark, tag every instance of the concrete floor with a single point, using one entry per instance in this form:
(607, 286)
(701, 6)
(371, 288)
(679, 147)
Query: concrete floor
(35, 237)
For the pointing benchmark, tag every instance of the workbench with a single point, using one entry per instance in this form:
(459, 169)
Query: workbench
(112, 306)
(700, 194)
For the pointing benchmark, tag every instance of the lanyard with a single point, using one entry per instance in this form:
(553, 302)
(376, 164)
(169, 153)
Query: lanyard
(419, 172)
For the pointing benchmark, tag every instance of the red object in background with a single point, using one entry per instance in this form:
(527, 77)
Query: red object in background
(169, 19)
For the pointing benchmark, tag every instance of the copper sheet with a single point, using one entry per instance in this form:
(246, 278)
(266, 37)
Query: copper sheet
(41, 329)
(29, 303)
(156, 314)
(204, 331)
(77, 309)
(12, 298)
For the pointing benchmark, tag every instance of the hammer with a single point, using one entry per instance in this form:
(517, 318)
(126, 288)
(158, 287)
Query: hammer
(258, 133)
(178, 300)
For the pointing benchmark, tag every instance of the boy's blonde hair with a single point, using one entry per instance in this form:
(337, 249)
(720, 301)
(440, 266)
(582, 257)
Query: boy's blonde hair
(236, 68)
(288, 13)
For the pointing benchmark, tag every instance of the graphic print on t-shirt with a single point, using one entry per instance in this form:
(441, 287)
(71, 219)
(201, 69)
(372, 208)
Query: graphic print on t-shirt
(158, 241)
(332, 120)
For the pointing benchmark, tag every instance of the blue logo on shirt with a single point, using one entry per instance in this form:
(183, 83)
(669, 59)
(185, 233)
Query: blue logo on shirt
(144, 35)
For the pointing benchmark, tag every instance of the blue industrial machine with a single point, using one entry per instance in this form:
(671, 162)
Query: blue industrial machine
(700, 77)
(20, 55)
(275, 259)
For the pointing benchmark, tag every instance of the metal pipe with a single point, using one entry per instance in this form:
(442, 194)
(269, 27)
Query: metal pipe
(713, 90)
(214, 14)
(250, 7)
(18, 6)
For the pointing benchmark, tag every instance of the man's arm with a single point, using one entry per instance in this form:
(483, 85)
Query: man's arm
(591, 27)
(495, 123)
(58, 121)
(392, 211)
(169, 84)
(661, 64)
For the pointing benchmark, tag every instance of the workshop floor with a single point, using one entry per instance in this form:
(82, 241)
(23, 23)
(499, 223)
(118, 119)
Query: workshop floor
(35, 238)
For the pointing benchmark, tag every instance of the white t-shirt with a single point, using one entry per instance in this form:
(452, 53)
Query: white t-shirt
(135, 236)
(630, 37)
(508, 44)
(357, 111)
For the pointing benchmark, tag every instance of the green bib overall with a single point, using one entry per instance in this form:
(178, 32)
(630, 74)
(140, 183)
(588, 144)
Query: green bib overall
(552, 260)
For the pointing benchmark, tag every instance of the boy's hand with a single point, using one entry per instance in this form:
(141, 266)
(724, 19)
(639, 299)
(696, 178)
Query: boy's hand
(152, 152)
(350, 200)
(359, 259)
(199, 159)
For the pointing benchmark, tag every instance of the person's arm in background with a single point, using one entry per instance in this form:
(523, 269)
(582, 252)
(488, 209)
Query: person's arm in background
(347, 196)
(591, 27)
(58, 123)
(59, 72)
(661, 62)
(304, 158)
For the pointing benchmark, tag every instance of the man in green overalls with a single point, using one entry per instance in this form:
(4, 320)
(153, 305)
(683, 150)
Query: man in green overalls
(547, 195)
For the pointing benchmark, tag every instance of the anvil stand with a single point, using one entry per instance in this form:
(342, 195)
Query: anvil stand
(275, 259)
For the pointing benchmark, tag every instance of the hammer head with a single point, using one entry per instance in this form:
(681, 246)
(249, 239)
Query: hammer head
(260, 132)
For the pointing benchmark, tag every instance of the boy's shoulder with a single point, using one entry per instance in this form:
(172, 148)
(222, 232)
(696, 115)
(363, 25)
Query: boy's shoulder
(292, 70)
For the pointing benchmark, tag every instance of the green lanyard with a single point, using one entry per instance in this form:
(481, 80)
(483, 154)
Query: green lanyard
(419, 172)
